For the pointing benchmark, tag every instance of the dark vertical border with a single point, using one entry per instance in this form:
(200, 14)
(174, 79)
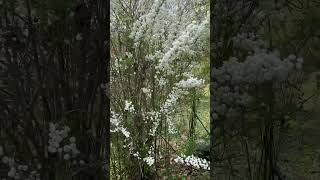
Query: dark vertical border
(107, 82)
(212, 123)
(103, 15)
(216, 59)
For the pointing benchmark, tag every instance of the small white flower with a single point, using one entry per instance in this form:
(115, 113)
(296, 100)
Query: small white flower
(5, 159)
(149, 160)
(26, 32)
(12, 172)
(52, 127)
(79, 37)
(292, 57)
(129, 55)
(300, 60)
(72, 139)
(129, 106)
(146, 90)
(66, 157)
(125, 132)
(25, 167)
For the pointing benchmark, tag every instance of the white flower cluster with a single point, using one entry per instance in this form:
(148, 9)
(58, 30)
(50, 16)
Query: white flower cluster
(154, 117)
(256, 69)
(172, 99)
(227, 101)
(79, 37)
(193, 161)
(20, 171)
(115, 122)
(128, 106)
(190, 83)
(249, 41)
(117, 64)
(146, 91)
(180, 89)
(13, 173)
(149, 160)
(162, 82)
(234, 79)
(129, 55)
(152, 57)
(58, 136)
(182, 44)
(168, 31)
(172, 129)
(136, 154)
(140, 26)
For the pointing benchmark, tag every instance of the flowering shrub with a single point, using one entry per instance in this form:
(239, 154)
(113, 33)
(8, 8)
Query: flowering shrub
(156, 51)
